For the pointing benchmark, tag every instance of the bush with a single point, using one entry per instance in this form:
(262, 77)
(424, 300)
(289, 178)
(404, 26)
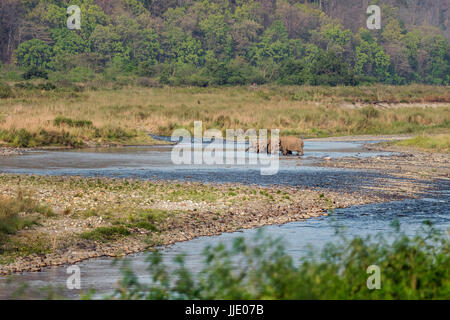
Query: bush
(5, 91)
(47, 86)
(11, 208)
(370, 112)
(25, 85)
(54, 138)
(19, 139)
(23, 138)
(60, 120)
(411, 268)
(105, 234)
(114, 133)
(35, 73)
(148, 83)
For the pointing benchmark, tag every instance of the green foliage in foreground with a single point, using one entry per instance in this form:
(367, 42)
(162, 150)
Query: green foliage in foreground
(411, 268)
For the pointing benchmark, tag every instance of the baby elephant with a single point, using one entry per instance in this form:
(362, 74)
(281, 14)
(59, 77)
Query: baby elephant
(290, 144)
(256, 146)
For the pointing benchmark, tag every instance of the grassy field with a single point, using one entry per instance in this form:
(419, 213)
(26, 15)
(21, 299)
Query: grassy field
(73, 117)
(439, 142)
(411, 268)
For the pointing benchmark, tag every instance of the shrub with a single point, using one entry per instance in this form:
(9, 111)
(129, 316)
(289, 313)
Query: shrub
(35, 73)
(24, 85)
(47, 86)
(16, 138)
(145, 219)
(105, 234)
(115, 133)
(54, 138)
(10, 209)
(60, 120)
(370, 112)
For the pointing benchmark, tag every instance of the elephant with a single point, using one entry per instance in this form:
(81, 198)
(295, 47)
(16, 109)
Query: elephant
(290, 143)
(287, 145)
(257, 147)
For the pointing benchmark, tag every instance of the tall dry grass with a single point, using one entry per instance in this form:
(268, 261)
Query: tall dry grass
(309, 111)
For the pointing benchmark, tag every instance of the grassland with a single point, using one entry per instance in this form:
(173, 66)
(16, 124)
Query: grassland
(124, 115)
(439, 143)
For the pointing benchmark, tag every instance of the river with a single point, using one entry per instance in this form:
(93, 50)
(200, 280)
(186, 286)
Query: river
(154, 163)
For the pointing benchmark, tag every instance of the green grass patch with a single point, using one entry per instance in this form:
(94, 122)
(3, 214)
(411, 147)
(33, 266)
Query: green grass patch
(440, 143)
(23, 138)
(409, 268)
(6, 91)
(105, 234)
(143, 219)
(59, 121)
(15, 247)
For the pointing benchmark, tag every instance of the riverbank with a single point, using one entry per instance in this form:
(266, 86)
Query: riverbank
(408, 162)
(127, 114)
(77, 218)
(94, 217)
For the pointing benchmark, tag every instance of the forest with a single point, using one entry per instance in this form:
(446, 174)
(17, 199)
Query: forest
(221, 42)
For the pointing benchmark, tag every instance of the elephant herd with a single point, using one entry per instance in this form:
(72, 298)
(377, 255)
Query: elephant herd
(287, 145)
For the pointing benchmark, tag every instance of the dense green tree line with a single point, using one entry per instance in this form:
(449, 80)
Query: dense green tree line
(217, 42)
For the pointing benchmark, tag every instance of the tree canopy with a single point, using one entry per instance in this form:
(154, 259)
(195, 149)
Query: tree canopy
(218, 42)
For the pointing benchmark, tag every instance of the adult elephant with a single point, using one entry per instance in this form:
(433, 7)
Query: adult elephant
(290, 144)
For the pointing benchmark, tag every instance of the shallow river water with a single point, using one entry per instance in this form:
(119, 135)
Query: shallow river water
(154, 163)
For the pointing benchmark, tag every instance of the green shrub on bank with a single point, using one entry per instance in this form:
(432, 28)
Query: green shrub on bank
(440, 142)
(10, 209)
(5, 91)
(59, 121)
(411, 268)
(105, 234)
(115, 133)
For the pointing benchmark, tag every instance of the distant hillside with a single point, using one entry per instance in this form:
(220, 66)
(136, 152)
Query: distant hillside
(219, 42)
(410, 12)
